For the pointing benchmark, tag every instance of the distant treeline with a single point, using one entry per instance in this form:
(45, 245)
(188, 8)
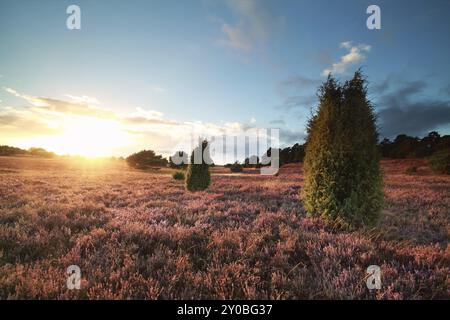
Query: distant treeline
(403, 146)
(36, 152)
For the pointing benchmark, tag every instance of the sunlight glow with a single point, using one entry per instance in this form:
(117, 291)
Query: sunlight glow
(86, 136)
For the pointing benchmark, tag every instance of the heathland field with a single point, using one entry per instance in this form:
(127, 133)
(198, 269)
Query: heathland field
(140, 234)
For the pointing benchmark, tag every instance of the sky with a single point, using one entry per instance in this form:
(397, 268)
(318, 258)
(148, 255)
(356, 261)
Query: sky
(148, 74)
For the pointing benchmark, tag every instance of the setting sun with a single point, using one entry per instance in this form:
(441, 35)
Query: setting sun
(85, 136)
(89, 137)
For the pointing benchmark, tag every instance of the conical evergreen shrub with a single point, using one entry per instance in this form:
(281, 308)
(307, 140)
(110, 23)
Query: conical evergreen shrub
(343, 181)
(198, 177)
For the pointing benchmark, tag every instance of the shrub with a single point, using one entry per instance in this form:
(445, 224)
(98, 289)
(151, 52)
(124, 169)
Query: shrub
(179, 175)
(40, 152)
(236, 167)
(440, 161)
(198, 177)
(145, 159)
(342, 175)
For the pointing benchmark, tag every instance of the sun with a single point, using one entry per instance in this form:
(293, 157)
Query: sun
(89, 137)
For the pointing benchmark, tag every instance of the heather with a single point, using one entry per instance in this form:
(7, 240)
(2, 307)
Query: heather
(139, 234)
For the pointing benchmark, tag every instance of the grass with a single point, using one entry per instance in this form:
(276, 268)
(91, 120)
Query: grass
(140, 235)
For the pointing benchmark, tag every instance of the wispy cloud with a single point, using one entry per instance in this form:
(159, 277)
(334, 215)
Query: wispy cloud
(35, 101)
(298, 92)
(289, 137)
(356, 53)
(158, 89)
(235, 38)
(300, 82)
(83, 99)
(80, 106)
(278, 122)
(254, 25)
(49, 123)
(301, 102)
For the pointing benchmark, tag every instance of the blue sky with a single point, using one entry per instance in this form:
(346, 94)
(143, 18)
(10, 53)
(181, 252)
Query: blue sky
(217, 64)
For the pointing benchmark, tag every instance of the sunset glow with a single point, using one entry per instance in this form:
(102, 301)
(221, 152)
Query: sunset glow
(88, 137)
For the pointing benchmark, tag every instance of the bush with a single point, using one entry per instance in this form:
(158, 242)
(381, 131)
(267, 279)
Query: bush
(236, 167)
(198, 177)
(440, 161)
(146, 159)
(39, 152)
(343, 181)
(179, 175)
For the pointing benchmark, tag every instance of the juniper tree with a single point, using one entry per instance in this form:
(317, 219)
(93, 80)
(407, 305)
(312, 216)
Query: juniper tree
(198, 177)
(343, 181)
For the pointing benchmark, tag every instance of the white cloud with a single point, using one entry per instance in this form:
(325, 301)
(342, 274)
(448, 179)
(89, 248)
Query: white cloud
(355, 54)
(149, 114)
(83, 99)
(51, 122)
(35, 101)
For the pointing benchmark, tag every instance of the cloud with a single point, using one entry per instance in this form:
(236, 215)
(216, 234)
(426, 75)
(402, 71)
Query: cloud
(290, 137)
(255, 24)
(404, 108)
(301, 82)
(235, 38)
(158, 89)
(83, 99)
(148, 121)
(60, 126)
(298, 92)
(19, 123)
(295, 102)
(446, 90)
(78, 106)
(35, 101)
(355, 54)
(277, 122)
(7, 119)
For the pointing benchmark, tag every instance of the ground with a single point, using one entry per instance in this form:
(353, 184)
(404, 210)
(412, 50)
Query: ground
(140, 235)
